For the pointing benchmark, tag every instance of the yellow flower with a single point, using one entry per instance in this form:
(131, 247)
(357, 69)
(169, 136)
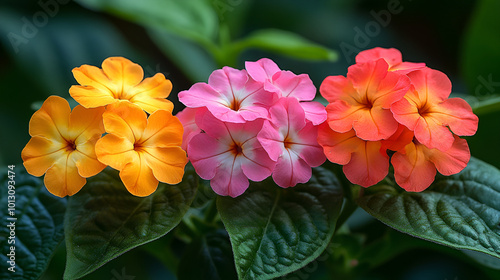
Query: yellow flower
(144, 150)
(62, 145)
(120, 79)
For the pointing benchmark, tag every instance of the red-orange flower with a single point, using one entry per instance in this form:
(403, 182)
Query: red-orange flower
(415, 165)
(62, 145)
(392, 56)
(145, 150)
(120, 79)
(362, 100)
(365, 162)
(427, 110)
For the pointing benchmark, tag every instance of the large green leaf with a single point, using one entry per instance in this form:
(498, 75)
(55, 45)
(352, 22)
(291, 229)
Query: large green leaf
(30, 236)
(193, 19)
(275, 231)
(461, 211)
(213, 258)
(286, 43)
(104, 220)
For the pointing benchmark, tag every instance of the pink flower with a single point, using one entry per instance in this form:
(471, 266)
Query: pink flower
(231, 95)
(287, 84)
(291, 141)
(392, 56)
(228, 154)
(430, 114)
(188, 119)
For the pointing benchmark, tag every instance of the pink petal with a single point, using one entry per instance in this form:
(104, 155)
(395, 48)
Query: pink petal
(298, 86)
(291, 170)
(262, 70)
(314, 111)
(187, 118)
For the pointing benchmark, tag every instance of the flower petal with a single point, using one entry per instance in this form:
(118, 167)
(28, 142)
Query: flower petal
(167, 163)
(51, 120)
(125, 120)
(298, 86)
(115, 151)
(86, 160)
(432, 86)
(457, 114)
(162, 130)
(453, 160)
(262, 70)
(40, 154)
(392, 56)
(412, 170)
(138, 177)
(85, 123)
(123, 73)
(315, 112)
(62, 178)
(291, 170)
(150, 94)
(229, 179)
(187, 118)
(335, 88)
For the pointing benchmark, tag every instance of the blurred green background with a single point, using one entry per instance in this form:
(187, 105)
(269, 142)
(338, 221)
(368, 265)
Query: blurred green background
(41, 41)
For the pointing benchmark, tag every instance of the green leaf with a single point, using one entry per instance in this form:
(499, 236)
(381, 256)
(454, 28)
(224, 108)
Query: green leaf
(104, 220)
(480, 55)
(275, 231)
(32, 239)
(193, 19)
(461, 211)
(213, 258)
(286, 43)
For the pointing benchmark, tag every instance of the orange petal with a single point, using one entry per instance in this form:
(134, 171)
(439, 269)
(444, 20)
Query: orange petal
(85, 123)
(87, 166)
(138, 177)
(162, 130)
(125, 119)
(95, 87)
(457, 114)
(412, 170)
(63, 179)
(51, 120)
(432, 85)
(337, 88)
(368, 165)
(366, 77)
(453, 160)
(115, 151)
(40, 154)
(167, 163)
(124, 73)
(338, 147)
(154, 87)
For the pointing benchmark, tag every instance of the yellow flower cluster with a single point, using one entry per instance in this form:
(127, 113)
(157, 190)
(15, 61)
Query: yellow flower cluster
(67, 146)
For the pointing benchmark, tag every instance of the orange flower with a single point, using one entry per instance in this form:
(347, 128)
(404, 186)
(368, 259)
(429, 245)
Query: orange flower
(120, 79)
(362, 100)
(415, 166)
(62, 145)
(430, 114)
(365, 162)
(144, 150)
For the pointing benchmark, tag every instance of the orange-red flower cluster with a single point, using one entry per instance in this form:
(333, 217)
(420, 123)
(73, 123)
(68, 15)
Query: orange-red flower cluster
(67, 146)
(387, 110)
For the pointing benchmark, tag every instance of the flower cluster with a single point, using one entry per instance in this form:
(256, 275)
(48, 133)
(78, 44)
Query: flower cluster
(67, 146)
(390, 110)
(250, 124)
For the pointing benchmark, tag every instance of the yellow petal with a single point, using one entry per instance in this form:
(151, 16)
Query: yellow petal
(125, 120)
(124, 73)
(167, 163)
(51, 120)
(90, 97)
(138, 177)
(163, 130)
(40, 154)
(87, 166)
(151, 105)
(63, 179)
(115, 151)
(85, 123)
(156, 87)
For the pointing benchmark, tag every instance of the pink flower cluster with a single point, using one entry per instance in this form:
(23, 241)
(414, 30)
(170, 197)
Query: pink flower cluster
(250, 124)
(389, 107)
